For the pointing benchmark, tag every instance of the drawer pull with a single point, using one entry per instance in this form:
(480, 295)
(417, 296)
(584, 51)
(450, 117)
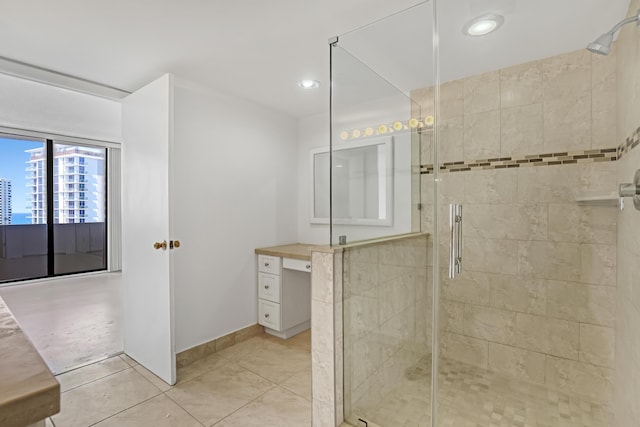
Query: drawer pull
(266, 315)
(266, 264)
(308, 266)
(266, 286)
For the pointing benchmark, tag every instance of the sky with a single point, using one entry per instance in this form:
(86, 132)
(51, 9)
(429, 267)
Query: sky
(12, 164)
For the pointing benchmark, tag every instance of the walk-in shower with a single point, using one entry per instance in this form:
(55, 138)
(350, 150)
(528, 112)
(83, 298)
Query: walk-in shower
(526, 141)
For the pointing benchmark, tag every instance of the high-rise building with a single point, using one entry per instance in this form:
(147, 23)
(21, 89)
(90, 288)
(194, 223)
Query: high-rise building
(5, 201)
(78, 185)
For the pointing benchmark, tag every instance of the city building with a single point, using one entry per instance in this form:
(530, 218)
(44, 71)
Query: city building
(5, 201)
(78, 187)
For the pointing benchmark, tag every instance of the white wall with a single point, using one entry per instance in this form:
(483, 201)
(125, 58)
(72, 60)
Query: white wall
(235, 189)
(29, 105)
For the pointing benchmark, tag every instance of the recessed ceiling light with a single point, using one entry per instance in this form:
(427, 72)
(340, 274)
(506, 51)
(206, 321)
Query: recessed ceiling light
(483, 25)
(309, 84)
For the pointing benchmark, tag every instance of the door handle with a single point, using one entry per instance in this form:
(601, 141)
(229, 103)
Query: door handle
(455, 240)
(174, 244)
(160, 245)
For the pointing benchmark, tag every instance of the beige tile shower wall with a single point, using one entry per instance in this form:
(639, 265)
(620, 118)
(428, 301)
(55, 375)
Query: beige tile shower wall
(537, 299)
(627, 377)
(387, 311)
(557, 104)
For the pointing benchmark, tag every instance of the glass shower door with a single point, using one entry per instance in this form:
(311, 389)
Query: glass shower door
(519, 139)
(379, 135)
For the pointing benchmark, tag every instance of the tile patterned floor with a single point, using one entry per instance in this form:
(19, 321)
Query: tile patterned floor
(266, 382)
(72, 321)
(474, 397)
(263, 381)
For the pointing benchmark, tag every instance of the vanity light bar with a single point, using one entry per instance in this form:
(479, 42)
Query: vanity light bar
(386, 128)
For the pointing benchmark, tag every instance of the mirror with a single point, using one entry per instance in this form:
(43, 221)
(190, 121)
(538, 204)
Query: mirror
(362, 183)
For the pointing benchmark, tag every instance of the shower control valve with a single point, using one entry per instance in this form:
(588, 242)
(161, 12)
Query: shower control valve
(631, 190)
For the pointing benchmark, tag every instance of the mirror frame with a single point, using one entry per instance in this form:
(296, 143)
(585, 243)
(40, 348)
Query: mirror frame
(386, 144)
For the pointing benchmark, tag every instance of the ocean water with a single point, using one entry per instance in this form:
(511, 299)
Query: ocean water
(20, 218)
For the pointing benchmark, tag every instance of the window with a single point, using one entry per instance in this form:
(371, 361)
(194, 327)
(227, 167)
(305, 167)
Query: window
(23, 229)
(47, 229)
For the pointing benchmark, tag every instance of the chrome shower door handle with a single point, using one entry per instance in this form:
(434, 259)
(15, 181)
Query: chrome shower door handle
(455, 240)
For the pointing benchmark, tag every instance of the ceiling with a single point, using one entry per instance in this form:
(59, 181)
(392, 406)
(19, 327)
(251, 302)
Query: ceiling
(259, 49)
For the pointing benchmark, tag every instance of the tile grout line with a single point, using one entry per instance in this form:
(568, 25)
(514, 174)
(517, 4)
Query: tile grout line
(243, 406)
(226, 359)
(181, 407)
(238, 362)
(96, 379)
(84, 365)
(126, 409)
(110, 375)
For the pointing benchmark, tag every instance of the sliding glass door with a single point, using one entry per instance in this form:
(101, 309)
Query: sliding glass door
(52, 208)
(23, 208)
(79, 214)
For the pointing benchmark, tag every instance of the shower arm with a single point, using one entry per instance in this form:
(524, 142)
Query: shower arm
(635, 18)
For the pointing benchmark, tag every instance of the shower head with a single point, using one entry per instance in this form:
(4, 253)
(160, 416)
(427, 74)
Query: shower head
(602, 45)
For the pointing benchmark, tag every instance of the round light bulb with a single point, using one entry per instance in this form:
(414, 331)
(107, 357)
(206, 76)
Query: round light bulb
(428, 121)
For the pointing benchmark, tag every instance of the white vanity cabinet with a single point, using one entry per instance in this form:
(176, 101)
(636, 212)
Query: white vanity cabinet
(284, 290)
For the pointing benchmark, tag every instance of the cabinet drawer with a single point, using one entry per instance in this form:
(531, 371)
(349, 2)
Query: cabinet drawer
(296, 264)
(269, 264)
(269, 314)
(269, 287)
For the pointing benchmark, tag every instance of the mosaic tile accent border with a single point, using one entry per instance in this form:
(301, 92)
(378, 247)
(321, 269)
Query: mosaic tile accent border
(547, 159)
(631, 143)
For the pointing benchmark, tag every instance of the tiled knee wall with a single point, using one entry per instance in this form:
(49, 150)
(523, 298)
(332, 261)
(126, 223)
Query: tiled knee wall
(386, 314)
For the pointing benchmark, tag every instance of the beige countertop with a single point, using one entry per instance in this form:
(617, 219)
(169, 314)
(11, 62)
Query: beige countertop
(294, 250)
(28, 391)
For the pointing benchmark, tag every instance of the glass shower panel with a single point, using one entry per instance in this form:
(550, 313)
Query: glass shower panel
(374, 163)
(381, 135)
(516, 133)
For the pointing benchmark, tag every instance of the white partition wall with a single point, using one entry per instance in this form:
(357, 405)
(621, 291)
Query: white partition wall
(235, 189)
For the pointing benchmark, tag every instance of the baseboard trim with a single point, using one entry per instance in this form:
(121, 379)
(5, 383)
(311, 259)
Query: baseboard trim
(187, 357)
(295, 330)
